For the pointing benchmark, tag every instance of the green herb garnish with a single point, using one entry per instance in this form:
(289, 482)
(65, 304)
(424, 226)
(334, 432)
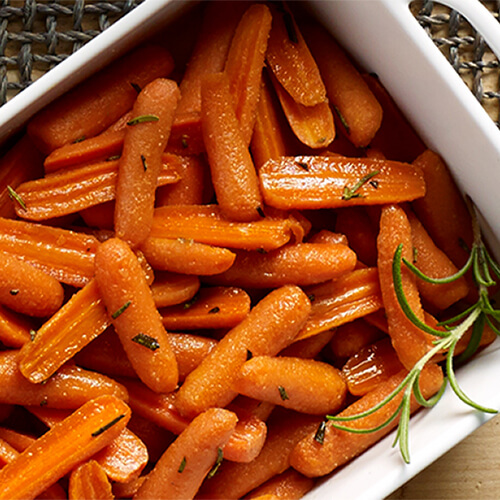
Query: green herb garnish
(144, 164)
(283, 394)
(136, 87)
(214, 310)
(104, 428)
(182, 466)
(121, 310)
(143, 119)
(350, 193)
(146, 341)
(14, 291)
(320, 433)
(215, 468)
(342, 120)
(14, 196)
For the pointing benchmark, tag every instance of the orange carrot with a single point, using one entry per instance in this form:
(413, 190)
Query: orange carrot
(66, 255)
(311, 182)
(99, 216)
(309, 347)
(244, 64)
(69, 388)
(170, 288)
(357, 107)
(233, 173)
(182, 468)
(342, 300)
(7, 453)
(268, 328)
(95, 104)
(140, 163)
(71, 442)
(314, 459)
(186, 256)
(128, 490)
(326, 236)
(290, 485)
(14, 328)
(130, 304)
(301, 263)
(76, 324)
(299, 384)
(18, 440)
(216, 307)
(88, 481)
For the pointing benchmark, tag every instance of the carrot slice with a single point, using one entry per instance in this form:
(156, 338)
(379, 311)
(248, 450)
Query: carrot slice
(170, 289)
(216, 307)
(244, 64)
(54, 454)
(342, 300)
(95, 104)
(140, 163)
(129, 302)
(66, 255)
(89, 482)
(300, 263)
(312, 182)
(233, 172)
(290, 484)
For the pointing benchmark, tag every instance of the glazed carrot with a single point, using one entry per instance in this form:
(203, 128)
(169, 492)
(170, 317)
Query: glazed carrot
(99, 216)
(314, 459)
(290, 485)
(170, 288)
(302, 385)
(300, 263)
(73, 190)
(313, 125)
(244, 64)
(434, 263)
(357, 107)
(247, 440)
(409, 341)
(342, 300)
(182, 468)
(326, 236)
(186, 256)
(233, 172)
(77, 323)
(66, 255)
(69, 388)
(18, 440)
(140, 163)
(129, 302)
(215, 307)
(95, 104)
(442, 210)
(88, 481)
(190, 350)
(235, 480)
(69, 443)
(19, 164)
(206, 224)
(312, 182)
(14, 328)
(355, 223)
(291, 61)
(7, 453)
(371, 366)
(128, 490)
(309, 347)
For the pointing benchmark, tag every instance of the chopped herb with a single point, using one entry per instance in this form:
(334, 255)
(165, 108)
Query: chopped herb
(113, 158)
(290, 27)
(14, 292)
(303, 165)
(43, 402)
(342, 120)
(321, 140)
(14, 196)
(374, 184)
(311, 297)
(136, 87)
(184, 141)
(143, 119)
(320, 433)
(283, 394)
(146, 341)
(249, 354)
(463, 245)
(350, 193)
(104, 428)
(144, 165)
(415, 254)
(182, 466)
(121, 310)
(32, 335)
(215, 468)
(261, 250)
(188, 241)
(190, 302)
(80, 139)
(214, 310)
(260, 211)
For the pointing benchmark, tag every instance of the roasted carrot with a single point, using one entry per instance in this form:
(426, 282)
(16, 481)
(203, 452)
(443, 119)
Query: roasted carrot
(233, 172)
(69, 443)
(99, 216)
(18, 440)
(77, 323)
(140, 163)
(7, 453)
(326, 236)
(357, 107)
(267, 329)
(314, 459)
(128, 490)
(301, 263)
(129, 302)
(14, 328)
(312, 182)
(215, 307)
(206, 224)
(171, 288)
(290, 485)
(299, 384)
(309, 347)
(88, 481)
(182, 468)
(95, 104)
(244, 64)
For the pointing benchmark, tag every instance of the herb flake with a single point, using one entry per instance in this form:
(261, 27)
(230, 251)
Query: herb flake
(214, 310)
(283, 394)
(182, 465)
(146, 341)
(144, 164)
(142, 119)
(15, 197)
(320, 433)
(104, 428)
(218, 461)
(121, 310)
(350, 193)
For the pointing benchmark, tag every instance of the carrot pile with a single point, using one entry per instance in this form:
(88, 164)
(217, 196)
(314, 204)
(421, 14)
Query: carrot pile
(195, 268)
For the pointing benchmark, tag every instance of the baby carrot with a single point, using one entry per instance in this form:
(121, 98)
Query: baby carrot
(233, 173)
(18, 440)
(129, 302)
(267, 329)
(326, 236)
(290, 484)
(88, 481)
(182, 468)
(7, 453)
(69, 443)
(302, 385)
(309, 347)
(247, 440)
(171, 288)
(95, 104)
(140, 163)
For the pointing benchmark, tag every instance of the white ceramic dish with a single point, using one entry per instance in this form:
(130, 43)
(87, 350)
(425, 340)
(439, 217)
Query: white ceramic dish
(386, 39)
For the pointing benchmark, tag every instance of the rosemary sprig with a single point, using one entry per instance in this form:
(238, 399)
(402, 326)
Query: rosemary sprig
(350, 193)
(482, 312)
